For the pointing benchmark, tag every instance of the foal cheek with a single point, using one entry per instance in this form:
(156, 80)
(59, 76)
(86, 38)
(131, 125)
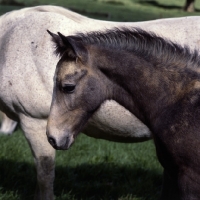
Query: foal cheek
(93, 98)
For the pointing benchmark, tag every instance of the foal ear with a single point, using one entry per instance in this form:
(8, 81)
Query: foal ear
(74, 49)
(60, 47)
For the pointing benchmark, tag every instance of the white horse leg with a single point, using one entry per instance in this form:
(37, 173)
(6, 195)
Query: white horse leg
(44, 155)
(7, 126)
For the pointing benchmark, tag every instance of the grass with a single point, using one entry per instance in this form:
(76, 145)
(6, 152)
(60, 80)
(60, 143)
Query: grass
(91, 169)
(116, 10)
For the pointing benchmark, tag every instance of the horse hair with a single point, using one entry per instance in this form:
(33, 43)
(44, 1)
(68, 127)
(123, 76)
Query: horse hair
(145, 44)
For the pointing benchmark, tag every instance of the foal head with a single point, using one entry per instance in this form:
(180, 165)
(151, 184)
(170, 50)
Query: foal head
(81, 82)
(92, 69)
(79, 89)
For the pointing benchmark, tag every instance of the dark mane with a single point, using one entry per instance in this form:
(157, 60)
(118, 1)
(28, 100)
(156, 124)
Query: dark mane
(143, 43)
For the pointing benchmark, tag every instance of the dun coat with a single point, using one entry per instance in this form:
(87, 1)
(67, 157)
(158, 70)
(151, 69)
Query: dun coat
(156, 80)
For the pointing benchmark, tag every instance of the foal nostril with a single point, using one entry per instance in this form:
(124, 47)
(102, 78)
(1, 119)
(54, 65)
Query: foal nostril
(60, 143)
(52, 141)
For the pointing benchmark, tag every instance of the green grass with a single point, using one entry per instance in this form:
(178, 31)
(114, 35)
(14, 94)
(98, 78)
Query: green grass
(91, 169)
(117, 10)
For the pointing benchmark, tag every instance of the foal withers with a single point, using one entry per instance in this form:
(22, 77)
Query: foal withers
(157, 80)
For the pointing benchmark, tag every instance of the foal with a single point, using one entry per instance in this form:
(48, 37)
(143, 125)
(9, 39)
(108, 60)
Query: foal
(157, 80)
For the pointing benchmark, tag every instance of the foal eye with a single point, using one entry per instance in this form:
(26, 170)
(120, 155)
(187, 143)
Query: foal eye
(69, 88)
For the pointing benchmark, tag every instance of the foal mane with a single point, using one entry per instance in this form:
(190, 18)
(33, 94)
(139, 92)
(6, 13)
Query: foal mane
(145, 44)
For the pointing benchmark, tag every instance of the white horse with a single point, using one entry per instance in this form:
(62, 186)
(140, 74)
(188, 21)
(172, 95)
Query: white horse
(27, 65)
(7, 125)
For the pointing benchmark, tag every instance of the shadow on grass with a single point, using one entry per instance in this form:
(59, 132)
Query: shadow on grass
(159, 5)
(86, 181)
(11, 3)
(18, 178)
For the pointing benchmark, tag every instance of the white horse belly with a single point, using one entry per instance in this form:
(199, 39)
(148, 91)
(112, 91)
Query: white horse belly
(119, 126)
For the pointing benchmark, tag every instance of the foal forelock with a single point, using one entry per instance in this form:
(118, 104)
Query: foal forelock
(145, 44)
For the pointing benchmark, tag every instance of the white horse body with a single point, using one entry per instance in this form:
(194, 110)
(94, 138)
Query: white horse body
(27, 65)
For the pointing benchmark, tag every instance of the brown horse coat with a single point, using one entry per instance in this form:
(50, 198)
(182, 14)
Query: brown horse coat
(157, 80)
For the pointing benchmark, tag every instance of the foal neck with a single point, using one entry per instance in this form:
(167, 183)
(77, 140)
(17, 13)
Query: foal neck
(151, 84)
